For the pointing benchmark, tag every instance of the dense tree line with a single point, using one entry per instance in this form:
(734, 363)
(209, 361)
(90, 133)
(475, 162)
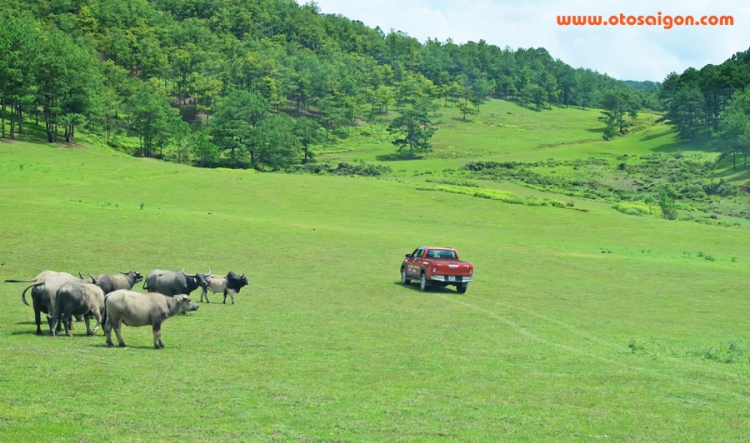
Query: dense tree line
(258, 81)
(712, 103)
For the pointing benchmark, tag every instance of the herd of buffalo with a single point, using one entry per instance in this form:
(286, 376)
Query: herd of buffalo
(111, 301)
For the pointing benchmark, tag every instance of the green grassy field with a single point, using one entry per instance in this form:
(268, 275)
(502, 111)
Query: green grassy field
(579, 326)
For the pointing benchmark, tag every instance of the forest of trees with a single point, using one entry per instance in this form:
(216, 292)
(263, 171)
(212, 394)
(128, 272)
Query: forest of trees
(255, 83)
(712, 103)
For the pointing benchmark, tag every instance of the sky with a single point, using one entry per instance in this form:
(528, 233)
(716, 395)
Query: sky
(623, 52)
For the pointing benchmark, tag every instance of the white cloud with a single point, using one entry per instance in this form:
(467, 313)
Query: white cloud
(624, 52)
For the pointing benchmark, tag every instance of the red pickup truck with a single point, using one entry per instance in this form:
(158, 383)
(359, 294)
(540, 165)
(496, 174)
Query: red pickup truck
(436, 266)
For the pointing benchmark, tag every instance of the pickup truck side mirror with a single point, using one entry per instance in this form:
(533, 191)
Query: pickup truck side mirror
(408, 255)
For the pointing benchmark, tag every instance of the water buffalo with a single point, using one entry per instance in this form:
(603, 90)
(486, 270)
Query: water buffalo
(43, 295)
(138, 309)
(229, 284)
(123, 280)
(78, 298)
(174, 282)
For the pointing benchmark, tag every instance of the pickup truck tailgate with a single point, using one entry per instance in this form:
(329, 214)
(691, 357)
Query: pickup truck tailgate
(451, 267)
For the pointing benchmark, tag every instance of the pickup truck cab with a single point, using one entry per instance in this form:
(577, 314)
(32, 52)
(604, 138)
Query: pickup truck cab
(436, 266)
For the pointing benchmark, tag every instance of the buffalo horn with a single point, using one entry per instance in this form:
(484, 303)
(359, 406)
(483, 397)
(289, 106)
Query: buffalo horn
(186, 274)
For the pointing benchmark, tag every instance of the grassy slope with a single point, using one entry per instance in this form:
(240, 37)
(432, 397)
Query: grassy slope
(506, 131)
(555, 340)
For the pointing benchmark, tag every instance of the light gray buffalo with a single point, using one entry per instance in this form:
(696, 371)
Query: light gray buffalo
(78, 298)
(139, 309)
(123, 280)
(229, 284)
(43, 295)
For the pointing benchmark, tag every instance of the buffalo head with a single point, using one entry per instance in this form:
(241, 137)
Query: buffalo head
(243, 280)
(135, 275)
(198, 278)
(186, 305)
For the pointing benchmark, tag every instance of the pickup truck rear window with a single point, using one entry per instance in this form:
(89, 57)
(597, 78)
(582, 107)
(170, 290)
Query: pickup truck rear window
(437, 253)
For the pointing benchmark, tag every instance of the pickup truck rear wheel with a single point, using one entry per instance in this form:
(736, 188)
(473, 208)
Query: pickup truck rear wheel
(404, 279)
(461, 289)
(423, 283)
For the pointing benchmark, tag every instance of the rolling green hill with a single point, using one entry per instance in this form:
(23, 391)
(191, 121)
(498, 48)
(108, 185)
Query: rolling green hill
(583, 323)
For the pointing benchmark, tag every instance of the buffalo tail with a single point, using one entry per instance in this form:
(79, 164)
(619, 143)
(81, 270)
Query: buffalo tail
(23, 294)
(104, 316)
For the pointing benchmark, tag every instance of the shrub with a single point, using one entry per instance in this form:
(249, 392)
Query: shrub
(692, 191)
(455, 181)
(721, 188)
(732, 353)
(668, 208)
(492, 194)
(634, 208)
(363, 169)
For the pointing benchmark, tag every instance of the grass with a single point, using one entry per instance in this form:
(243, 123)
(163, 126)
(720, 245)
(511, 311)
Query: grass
(580, 325)
(326, 345)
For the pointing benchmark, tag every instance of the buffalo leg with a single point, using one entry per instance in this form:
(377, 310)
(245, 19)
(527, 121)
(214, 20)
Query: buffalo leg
(113, 324)
(67, 320)
(157, 336)
(37, 315)
(98, 318)
(87, 320)
(231, 294)
(204, 292)
(38, 318)
(118, 327)
(108, 330)
(53, 324)
(52, 318)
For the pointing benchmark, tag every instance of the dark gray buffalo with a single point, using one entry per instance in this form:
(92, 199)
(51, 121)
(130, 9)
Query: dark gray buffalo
(138, 309)
(78, 298)
(123, 280)
(174, 282)
(229, 284)
(43, 295)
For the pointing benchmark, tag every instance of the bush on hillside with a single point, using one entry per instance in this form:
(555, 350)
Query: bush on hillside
(721, 188)
(363, 169)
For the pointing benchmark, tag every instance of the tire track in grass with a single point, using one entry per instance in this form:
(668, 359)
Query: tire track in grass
(603, 342)
(538, 338)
